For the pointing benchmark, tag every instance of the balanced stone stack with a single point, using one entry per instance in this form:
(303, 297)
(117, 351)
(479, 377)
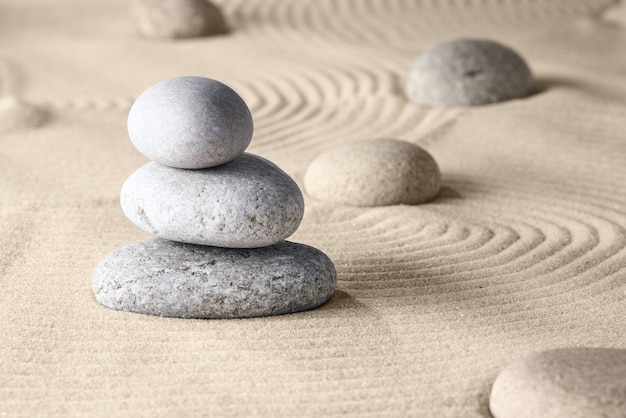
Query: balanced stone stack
(221, 216)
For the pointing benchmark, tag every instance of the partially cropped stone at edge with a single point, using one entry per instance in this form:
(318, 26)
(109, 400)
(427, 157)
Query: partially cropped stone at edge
(569, 382)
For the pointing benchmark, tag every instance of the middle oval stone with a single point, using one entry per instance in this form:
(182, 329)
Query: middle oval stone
(245, 203)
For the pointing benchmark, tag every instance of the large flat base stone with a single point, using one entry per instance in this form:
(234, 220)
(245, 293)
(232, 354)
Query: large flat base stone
(160, 277)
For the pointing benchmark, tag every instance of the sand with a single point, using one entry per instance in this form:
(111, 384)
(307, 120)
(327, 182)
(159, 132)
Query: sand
(524, 249)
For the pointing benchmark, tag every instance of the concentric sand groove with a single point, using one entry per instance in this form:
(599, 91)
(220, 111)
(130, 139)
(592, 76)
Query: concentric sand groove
(563, 240)
(372, 22)
(523, 250)
(308, 106)
(121, 104)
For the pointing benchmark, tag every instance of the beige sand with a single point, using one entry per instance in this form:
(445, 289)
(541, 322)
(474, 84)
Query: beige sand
(524, 250)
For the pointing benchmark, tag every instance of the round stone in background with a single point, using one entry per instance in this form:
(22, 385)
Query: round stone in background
(373, 173)
(468, 72)
(248, 202)
(177, 18)
(562, 383)
(190, 122)
(165, 278)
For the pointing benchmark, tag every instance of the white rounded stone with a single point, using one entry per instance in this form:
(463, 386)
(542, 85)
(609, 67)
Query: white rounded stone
(247, 202)
(177, 18)
(562, 383)
(165, 278)
(190, 122)
(468, 72)
(373, 173)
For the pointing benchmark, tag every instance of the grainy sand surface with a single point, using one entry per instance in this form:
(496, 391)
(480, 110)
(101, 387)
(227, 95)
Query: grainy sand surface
(524, 250)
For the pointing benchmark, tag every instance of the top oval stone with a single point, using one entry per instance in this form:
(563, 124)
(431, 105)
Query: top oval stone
(468, 72)
(190, 122)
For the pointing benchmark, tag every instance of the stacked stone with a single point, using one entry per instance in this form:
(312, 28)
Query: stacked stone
(221, 216)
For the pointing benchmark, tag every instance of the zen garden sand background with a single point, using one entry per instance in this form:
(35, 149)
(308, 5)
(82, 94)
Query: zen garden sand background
(524, 249)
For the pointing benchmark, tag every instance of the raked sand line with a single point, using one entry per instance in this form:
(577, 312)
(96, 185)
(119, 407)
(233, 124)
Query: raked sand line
(294, 92)
(372, 21)
(312, 118)
(567, 211)
(121, 104)
(305, 113)
(524, 260)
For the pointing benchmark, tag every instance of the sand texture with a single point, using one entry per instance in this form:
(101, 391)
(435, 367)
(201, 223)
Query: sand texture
(523, 250)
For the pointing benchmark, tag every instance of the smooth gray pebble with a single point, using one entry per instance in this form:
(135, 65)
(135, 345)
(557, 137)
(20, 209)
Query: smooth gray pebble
(190, 122)
(468, 72)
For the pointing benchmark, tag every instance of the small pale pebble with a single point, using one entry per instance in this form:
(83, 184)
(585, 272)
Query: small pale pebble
(177, 18)
(248, 202)
(190, 122)
(165, 278)
(373, 173)
(17, 114)
(468, 72)
(562, 383)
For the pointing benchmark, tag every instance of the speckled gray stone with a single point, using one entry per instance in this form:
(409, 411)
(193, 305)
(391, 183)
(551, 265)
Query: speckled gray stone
(177, 18)
(190, 122)
(248, 202)
(468, 72)
(165, 278)
(373, 173)
(562, 383)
